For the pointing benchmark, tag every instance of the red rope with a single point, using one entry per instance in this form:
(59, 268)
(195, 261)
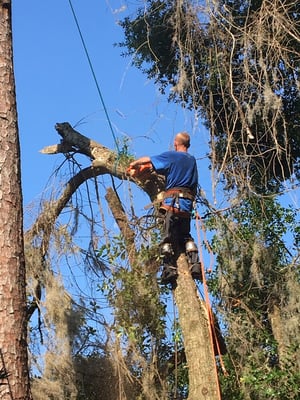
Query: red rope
(212, 331)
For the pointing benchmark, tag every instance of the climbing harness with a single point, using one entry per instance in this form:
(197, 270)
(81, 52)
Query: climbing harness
(180, 192)
(175, 194)
(164, 208)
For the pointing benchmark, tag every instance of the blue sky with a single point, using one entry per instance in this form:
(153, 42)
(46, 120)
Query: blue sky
(54, 83)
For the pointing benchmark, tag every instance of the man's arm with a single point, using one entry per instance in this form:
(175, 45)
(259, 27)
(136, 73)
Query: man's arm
(140, 161)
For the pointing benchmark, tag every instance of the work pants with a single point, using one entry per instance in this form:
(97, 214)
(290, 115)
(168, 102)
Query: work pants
(176, 229)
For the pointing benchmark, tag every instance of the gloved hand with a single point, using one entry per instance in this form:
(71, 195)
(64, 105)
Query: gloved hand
(139, 170)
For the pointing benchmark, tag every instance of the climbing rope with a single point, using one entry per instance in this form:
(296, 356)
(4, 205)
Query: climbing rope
(94, 75)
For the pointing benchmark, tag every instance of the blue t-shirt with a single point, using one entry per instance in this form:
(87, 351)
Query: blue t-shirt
(180, 170)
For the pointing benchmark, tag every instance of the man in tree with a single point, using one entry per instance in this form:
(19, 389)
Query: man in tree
(180, 171)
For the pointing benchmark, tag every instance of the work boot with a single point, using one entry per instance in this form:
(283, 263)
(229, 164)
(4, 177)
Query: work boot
(169, 275)
(196, 272)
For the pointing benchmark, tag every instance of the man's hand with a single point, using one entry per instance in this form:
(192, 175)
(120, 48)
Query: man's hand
(140, 161)
(138, 169)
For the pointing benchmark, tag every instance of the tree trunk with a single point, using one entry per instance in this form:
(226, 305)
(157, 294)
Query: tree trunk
(194, 322)
(14, 378)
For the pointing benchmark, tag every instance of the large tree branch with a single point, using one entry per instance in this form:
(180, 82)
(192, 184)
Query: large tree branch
(104, 160)
(122, 222)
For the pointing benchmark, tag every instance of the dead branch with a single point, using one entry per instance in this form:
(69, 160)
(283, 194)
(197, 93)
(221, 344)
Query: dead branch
(122, 221)
(104, 160)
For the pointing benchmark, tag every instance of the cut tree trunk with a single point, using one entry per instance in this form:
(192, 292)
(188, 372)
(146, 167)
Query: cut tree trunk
(194, 322)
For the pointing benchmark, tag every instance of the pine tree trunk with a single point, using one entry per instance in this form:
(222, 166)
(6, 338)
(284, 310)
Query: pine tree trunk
(14, 377)
(194, 322)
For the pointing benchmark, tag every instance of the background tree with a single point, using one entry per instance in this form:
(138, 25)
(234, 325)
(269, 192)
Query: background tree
(236, 64)
(14, 373)
(256, 284)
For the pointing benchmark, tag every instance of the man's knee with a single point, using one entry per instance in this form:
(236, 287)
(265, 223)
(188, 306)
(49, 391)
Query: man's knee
(166, 249)
(190, 245)
(191, 250)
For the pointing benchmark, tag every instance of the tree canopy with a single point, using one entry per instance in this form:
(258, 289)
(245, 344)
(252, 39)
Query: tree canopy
(236, 63)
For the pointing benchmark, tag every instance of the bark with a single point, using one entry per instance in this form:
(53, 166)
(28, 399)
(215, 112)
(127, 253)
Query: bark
(193, 314)
(14, 380)
(120, 216)
(194, 322)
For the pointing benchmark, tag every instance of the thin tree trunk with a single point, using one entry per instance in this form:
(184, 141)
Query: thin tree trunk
(13, 330)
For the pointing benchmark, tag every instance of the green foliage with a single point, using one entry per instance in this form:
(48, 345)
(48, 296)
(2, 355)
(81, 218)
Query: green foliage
(274, 383)
(237, 64)
(259, 382)
(149, 39)
(133, 294)
(256, 283)
(124, 156)
(139, 312)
